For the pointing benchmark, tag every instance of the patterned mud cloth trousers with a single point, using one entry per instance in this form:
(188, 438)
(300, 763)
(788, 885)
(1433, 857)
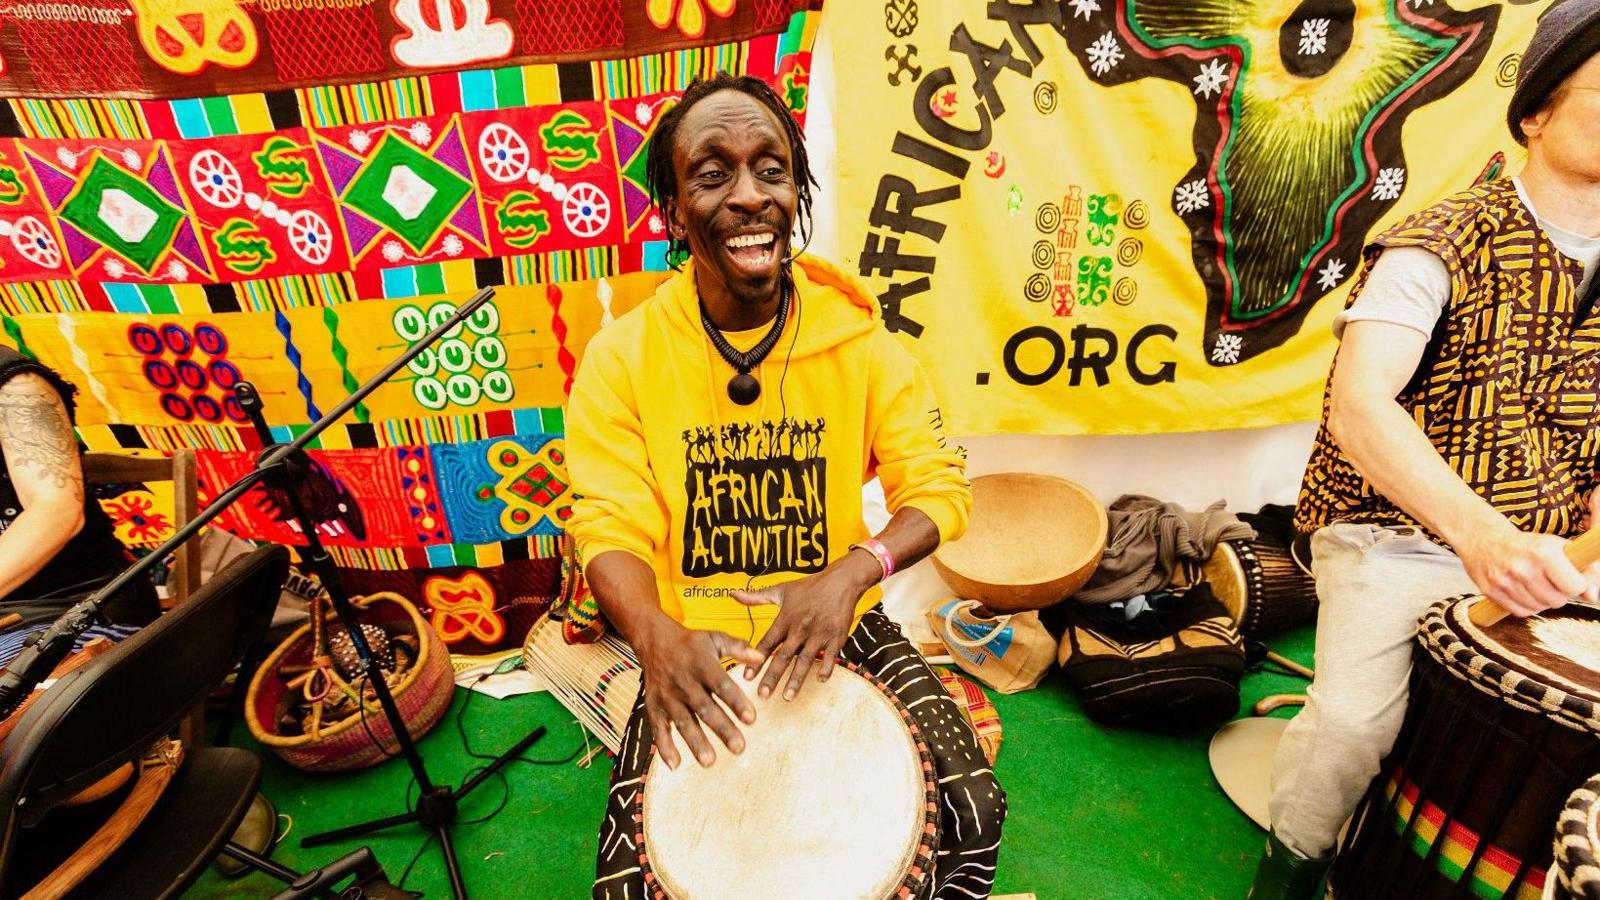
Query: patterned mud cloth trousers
(972, 805)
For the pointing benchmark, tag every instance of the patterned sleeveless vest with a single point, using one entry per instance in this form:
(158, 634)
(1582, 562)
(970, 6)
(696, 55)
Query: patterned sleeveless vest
(1506, 390)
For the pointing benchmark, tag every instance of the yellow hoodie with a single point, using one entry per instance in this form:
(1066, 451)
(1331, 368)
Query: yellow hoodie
(717, 497)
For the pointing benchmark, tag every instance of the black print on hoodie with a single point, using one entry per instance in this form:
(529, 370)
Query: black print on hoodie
(757, 499)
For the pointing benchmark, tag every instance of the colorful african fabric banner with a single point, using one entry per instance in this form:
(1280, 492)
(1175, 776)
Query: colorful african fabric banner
(1125, 216)
(190, 48)
(302, 202)
(158, 252)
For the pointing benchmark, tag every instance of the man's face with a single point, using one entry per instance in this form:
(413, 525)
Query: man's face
(736, 197)
(1565, 132)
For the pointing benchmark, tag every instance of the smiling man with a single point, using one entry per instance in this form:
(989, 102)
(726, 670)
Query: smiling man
(719, 437)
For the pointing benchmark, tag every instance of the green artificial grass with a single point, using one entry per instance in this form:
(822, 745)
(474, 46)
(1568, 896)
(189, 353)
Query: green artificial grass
(1095, 811)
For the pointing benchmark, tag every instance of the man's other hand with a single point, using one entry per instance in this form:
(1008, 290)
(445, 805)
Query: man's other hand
(814, 616)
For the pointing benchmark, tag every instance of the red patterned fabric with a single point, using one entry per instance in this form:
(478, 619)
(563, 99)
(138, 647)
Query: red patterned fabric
(103, 59)
(476, 611)
(569, 26)
(301, 34)
(770, 13)
(978, 710)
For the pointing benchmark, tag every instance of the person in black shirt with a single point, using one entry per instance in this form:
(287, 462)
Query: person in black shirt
(56, 545)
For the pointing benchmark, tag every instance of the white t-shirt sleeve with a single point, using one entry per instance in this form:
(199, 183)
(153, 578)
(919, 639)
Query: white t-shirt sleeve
(1408, 286)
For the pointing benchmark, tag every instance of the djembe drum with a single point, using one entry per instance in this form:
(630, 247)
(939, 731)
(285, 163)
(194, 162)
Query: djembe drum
(834, 796)
(1576, 875)
(1264, 588)
(1503, 724)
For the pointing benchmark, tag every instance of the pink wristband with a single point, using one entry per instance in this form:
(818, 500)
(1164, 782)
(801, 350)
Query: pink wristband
(879, 552)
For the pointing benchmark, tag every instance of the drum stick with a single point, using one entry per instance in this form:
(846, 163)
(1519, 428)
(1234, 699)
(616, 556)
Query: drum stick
(10, 619)
(1583, 550)
(1277, 701)
(1291, 665)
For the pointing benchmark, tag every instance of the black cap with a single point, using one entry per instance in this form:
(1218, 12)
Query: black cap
(1567, 35)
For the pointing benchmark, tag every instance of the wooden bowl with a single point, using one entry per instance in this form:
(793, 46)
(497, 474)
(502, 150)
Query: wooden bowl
(1033, 541)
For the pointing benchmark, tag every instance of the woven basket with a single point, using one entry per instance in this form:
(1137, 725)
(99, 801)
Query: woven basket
(422, 695)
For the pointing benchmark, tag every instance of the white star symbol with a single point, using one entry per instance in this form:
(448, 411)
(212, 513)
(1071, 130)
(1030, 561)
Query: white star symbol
(1314, 36)
(1192, 196)
(1329, 276)
(1390, 182)
(1104, 54)
(1213, 75)
(1226, 350)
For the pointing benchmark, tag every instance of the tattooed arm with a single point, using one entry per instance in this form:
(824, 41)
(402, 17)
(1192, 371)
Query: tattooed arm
(42, 456)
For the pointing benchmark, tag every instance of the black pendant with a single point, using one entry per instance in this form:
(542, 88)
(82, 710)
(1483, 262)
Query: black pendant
(743, 389)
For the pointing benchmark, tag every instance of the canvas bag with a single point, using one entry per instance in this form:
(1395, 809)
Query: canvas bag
(1008, 653)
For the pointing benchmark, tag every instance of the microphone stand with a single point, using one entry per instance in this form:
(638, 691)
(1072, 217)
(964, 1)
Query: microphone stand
(284, 467)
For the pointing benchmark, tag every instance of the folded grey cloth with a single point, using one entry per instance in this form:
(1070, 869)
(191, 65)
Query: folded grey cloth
(1147, 538)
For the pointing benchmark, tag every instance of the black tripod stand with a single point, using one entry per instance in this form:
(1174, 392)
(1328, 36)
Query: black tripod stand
(285, 467)
(436, 807)
(438, 804)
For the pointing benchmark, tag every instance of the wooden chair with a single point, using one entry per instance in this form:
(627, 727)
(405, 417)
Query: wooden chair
(91, 723)
(118, 468)
(184, 578)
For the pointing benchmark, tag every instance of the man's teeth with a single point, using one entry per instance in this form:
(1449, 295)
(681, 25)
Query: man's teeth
(748, 240)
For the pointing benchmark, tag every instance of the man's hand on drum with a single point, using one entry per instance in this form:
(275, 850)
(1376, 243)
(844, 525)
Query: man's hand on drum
(814, 616)
(683, 680)
(1525, 573)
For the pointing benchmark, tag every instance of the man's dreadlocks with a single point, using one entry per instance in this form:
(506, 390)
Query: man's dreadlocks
(662, 179)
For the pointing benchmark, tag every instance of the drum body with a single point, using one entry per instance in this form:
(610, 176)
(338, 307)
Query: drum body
(834, 796)
(1576, 875)
(1265, 590)
(1501, 727)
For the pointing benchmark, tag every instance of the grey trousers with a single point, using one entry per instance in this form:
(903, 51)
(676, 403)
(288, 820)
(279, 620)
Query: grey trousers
(1373, 584)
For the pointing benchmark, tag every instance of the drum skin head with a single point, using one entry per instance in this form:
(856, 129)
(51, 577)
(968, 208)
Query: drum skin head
(1550, 661)
(1225, 573)
(828, 799)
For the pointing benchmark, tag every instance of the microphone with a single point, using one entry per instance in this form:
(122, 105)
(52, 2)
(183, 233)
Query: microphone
(42, 654)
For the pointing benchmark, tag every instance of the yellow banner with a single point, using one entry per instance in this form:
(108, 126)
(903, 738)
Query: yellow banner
(1109, 216)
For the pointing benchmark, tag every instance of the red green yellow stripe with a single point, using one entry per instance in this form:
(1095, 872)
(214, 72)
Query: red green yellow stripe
(1492, 876)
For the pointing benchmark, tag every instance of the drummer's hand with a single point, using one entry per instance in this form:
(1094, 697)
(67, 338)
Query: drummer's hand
(1525, 573)
(682, 674)
(814, 615)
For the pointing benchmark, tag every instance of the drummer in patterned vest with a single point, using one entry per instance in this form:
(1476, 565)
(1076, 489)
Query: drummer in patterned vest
(1459, 437)
(719, 436)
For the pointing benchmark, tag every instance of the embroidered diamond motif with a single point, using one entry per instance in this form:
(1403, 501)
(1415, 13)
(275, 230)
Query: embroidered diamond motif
(130, 219)
(407, 192)
(120, 211)
(531, 486)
